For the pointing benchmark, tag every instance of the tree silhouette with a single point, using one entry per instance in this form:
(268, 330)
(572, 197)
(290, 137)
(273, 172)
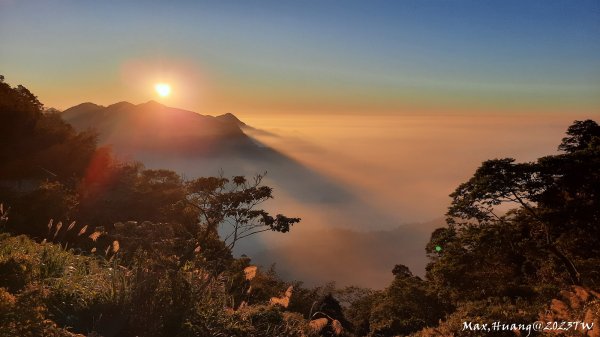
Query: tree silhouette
(41, 144)
(580, 135)
(556, 196)
(404, 307)
(234, 203)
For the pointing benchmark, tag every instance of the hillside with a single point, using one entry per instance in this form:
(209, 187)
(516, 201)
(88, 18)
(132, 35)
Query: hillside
(152, 127)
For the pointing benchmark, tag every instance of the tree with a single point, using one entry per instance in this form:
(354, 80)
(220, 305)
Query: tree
(477, 263)
(234, 203)
(52, 200)
(580, 135)
(557, 198)
(404, 307)
(41, 144)
(19, 111)
(358, 303)
(518, 233)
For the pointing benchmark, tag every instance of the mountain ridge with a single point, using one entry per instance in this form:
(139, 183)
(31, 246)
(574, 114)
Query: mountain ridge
(152, 126)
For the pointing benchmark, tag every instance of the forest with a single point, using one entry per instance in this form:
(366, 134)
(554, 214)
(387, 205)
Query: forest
(92, 246)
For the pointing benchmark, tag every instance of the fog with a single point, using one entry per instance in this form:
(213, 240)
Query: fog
(407, 164)
(369, 188)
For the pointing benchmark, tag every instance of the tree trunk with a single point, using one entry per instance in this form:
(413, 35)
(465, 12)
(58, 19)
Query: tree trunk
(573, 273)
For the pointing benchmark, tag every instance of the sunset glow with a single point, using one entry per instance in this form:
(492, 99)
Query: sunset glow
(162, 89)
(547, 63)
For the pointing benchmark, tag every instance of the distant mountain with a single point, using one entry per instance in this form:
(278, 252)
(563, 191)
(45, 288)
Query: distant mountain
(152, 127)
(232, 119)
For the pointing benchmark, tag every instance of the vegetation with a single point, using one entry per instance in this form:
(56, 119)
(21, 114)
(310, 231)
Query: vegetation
(36, 144)
(90, 246)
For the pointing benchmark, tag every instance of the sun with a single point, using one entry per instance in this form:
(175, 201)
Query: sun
(162, 89)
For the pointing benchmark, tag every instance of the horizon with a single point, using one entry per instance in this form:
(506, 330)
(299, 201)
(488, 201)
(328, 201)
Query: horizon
(309, 57)
(310, 141)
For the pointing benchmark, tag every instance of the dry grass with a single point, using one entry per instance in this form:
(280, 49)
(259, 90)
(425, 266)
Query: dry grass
(71, 226)
(82, 230)
(337, 327)
(576, 304)
(115, 246)
(58, 227)
(3, 215)
(250, 272)
(95, 235)
(316, 325)
(283, 301)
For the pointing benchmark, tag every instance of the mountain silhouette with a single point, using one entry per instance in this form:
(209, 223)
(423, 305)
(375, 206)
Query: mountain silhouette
(153, 127)
(231, 119)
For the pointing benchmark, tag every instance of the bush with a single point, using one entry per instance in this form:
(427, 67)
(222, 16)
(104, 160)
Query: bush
(55, 287)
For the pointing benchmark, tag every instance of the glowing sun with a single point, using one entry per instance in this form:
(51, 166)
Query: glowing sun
(162, 89)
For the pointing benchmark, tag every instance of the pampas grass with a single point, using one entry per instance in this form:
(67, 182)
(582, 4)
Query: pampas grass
(3, 215)
(316, 325)
(283, 301)
(71, 226)
(58, 227)
(337, 327)
(95, 235)
(82, 230)
(250, 272)
(115, 246)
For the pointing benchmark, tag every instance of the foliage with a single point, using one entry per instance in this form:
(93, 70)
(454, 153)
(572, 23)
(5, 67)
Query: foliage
(556, 198)
(67, 289)
(480, 262)
(128, 191)
(223, 202)
(519, 233)
(358, 304)
(405, 306)
(149, 297)
(483, 312)
(51, 200)
(329, 311)
(25, 315)
(575, 304)
(580, 135)
(42, 145)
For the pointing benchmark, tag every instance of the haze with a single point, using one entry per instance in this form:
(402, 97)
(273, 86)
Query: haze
(309, 57)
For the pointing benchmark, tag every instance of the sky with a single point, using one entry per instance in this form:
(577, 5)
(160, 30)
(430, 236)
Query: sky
(308, 56)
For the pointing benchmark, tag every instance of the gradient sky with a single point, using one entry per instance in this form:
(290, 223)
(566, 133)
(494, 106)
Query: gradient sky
(308, 56)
